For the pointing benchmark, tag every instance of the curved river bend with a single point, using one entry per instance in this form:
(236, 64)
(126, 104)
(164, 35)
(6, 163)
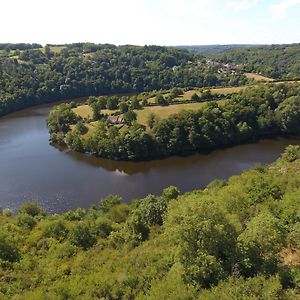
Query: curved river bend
(32, 169)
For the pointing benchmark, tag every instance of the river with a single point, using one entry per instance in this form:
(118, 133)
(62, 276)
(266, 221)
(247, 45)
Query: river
(60, 180)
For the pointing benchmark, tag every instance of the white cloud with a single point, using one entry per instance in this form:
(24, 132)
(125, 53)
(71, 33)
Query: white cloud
(240, 5)
(279, 10)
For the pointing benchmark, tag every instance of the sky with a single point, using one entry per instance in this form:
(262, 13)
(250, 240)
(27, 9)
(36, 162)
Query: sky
(149, 22)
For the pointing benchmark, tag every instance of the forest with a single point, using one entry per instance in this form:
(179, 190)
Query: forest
(235, 239)
(258, 111)
(275, 61)
(41, 75)
(31, 74)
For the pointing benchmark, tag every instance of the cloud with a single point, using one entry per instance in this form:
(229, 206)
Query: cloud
(279, 10)
(240, 5)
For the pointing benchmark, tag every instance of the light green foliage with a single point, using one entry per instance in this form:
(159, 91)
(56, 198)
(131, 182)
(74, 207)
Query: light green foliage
(204, 237)
(241, 289)
(32, 209)
(232, 240)
(261, 242)
(291, 153)
(171, 287)
(109, 202)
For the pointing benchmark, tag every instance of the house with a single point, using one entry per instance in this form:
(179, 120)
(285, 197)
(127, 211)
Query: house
(114, 120)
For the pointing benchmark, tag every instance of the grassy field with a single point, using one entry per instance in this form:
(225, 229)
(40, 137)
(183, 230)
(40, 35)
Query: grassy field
(228, 90)
(216, 91)
(258, 77)
(165, 111)
(85, 111)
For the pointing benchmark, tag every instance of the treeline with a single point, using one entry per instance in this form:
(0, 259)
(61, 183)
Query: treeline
(258, 111)
(36, 76)
(236, 239)
(276, 61)
(19, 46)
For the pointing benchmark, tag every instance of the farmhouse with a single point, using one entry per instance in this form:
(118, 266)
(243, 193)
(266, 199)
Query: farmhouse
(115, 120)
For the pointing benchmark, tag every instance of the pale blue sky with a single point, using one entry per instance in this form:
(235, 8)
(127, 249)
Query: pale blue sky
(163, 22)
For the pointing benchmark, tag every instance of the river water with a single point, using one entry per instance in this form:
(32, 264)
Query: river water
(60, 180)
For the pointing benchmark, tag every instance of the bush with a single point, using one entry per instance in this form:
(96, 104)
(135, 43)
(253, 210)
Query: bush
(291, 153)
(8, 251)
(31, 209)
(26, 221)
(7, 212)
(81, 236)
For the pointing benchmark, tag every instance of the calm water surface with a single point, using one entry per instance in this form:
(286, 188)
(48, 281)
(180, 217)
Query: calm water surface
(32, 169)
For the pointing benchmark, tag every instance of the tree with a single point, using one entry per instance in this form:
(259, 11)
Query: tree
(288, 115)
(74, 141)
(204, 237)
(108, 202)
(135, 103)
(8, 251)
(32, 209)
(96, 108)
(195, 97)
(260, 243)
(48, 52)
(130, 117)
(60, 118)
(81, 128)
(160, 100)
(123, 107)
(151, 120)
(81, 236)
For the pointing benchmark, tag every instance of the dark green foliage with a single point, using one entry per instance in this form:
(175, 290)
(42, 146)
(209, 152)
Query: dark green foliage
(275, 61)
(32, 209)
(60, 119)
(37, 77)
(195, 97)
(55, 229)
(130, 117)
(81, 236)
(8, 251)
(81, 128)
(160, 100)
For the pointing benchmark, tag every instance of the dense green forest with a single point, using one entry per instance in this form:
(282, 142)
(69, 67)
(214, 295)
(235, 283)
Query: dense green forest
(276, 61)
(236, 239)
(34, 76)
(257, 111)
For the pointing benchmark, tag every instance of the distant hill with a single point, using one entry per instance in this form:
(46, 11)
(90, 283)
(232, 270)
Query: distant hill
(204, 49)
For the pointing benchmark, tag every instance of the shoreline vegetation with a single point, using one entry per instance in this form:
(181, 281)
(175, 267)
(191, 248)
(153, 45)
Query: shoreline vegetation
(158, 124)
(237, 237)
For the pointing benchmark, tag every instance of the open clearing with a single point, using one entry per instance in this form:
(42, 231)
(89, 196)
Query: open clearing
(85, 111)
(258, 77)
(215, 91)
(165, 111)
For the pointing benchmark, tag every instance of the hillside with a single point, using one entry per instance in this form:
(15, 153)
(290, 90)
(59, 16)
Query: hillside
(40, 75)
(236, 239)
(275, 61)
